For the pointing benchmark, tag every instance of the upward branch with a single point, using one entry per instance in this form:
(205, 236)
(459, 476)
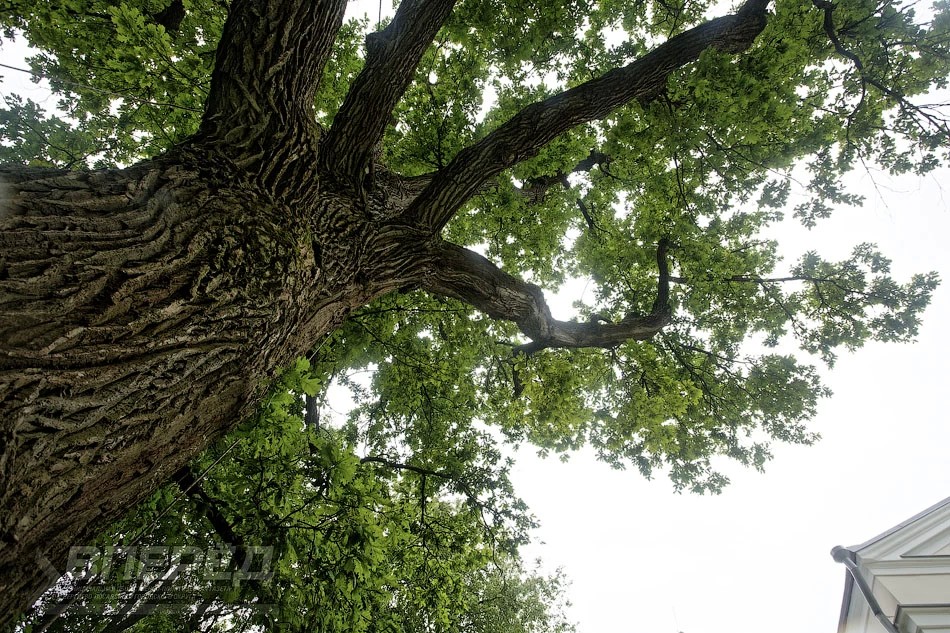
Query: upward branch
(391, 59)
(267, 70)
(532, 128)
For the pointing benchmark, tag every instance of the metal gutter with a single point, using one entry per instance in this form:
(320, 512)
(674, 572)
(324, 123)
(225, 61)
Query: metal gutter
(846, 556)
(845, 601)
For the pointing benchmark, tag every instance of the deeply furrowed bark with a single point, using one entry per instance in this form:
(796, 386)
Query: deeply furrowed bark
(142, 314)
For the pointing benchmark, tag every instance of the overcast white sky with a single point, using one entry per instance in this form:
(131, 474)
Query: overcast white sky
(644, 559)
(756, 558)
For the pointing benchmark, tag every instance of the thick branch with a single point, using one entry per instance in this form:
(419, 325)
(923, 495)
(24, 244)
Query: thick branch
(532, 128)
(268, 66)
(469, 277)
(391, 59)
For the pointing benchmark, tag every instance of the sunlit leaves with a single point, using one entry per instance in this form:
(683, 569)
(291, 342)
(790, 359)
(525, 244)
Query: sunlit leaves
(120, 72)
(387, 515)
(844, 304)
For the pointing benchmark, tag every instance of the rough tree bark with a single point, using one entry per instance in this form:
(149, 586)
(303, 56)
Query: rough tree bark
(144, 310)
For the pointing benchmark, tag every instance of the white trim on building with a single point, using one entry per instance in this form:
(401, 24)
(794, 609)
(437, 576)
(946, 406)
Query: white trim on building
(900, 580)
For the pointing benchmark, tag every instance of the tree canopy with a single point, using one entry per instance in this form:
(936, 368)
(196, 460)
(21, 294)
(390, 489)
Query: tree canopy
(641, 146)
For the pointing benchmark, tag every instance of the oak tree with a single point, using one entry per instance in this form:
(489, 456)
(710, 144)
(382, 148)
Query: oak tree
(234, 186)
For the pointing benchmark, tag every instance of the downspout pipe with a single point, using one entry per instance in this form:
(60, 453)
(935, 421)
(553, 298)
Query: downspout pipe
(847, 557)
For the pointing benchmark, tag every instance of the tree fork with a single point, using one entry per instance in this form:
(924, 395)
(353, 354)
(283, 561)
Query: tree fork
(144, 311)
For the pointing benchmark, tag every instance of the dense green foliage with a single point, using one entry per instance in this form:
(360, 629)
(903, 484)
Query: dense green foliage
(398, 515)
(359, 544)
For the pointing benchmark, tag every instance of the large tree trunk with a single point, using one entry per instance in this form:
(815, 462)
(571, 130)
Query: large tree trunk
(142, 313)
